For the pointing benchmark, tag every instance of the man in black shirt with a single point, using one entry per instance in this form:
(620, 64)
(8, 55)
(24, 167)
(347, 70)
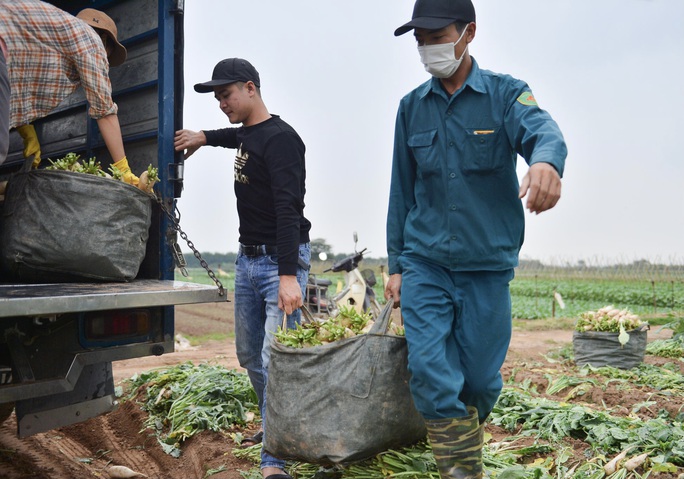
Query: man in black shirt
(274, 252)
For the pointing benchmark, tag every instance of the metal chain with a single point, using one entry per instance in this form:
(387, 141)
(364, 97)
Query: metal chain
(180, 259)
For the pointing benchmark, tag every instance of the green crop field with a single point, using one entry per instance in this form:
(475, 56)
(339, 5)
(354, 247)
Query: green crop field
(533, 298)
(646, 292)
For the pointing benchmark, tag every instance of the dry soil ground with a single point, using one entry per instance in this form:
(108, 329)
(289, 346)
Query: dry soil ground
(86, 450)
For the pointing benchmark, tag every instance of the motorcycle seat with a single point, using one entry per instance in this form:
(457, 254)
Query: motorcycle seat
(320, 282)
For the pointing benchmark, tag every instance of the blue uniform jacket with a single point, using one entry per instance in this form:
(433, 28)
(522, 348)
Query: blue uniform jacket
(454, 190)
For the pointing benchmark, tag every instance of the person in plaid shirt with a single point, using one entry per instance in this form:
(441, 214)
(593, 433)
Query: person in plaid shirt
(50, 54)
(4, 103)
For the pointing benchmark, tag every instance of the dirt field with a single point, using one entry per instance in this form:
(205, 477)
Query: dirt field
(86, 450)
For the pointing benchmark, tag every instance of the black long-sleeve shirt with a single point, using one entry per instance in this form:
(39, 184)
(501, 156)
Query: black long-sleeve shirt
(270, 176)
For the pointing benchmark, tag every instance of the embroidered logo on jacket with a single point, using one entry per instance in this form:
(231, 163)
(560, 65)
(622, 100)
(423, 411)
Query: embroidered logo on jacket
(527, 99)
(240, 162)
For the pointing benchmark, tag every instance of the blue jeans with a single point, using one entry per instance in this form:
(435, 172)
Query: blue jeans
(257, 318)
(458, 328)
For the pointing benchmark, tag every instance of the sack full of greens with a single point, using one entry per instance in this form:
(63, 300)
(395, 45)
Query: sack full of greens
(341, 401)
(65, 226)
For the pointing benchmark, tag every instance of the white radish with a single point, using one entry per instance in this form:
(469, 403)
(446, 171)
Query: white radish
(611, 467)
(147, 179)
(123, 472)
(143, 181)
(635, 461)
(366, 329)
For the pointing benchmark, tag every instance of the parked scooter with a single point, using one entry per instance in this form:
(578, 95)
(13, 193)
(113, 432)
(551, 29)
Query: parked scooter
(357, 291)
(317, 300)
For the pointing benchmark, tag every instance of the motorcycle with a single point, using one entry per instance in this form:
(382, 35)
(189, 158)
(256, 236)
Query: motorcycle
(357, 292)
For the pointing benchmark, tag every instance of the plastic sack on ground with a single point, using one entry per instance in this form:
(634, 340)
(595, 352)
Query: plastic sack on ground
(598, 348)
(341, 402)
(60, 226)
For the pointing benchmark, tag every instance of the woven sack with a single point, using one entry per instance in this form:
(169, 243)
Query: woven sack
(341, 402)
(58, 226)
(597, 348)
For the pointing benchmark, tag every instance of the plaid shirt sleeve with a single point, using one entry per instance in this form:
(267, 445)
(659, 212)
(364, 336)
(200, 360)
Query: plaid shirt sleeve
(51, 53)
(93, 69)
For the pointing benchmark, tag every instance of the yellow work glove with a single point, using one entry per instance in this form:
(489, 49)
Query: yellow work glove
(31, 145)
(125, 170)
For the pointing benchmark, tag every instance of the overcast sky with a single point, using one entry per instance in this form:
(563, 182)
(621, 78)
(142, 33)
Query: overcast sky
(610, 72)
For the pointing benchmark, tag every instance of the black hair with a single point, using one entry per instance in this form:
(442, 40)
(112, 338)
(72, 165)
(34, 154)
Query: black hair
(241, 85)
(460, 26)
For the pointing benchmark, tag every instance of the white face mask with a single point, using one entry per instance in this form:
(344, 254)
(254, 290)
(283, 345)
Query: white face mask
(440, 60)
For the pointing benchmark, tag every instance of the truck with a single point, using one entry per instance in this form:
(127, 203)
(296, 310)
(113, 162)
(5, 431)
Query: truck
(58, 340)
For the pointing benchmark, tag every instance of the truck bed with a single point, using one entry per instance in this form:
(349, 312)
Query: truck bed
(47, 299)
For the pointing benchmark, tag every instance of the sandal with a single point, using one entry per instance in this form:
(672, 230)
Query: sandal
(253, 440)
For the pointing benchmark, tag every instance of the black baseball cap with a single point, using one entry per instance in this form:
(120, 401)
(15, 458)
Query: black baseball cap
(229, 71)
(437, 14)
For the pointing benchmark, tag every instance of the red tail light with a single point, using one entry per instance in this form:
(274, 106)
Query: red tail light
(116, 325)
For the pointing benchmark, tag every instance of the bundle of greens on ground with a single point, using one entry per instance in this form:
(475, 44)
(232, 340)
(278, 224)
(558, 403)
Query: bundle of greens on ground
(72, 162)
(414, 462)
(672, 347)
(666, 348)
(187, 399)
(346, 324)
(655, 445)
(664, 379)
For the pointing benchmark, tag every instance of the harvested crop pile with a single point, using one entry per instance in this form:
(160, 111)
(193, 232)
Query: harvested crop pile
(348, 323)
(73, 162)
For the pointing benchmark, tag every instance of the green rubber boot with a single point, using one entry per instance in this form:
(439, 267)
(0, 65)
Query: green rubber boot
(457, 446)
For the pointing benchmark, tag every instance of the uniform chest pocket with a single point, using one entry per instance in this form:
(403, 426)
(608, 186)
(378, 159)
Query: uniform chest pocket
(423, 149)
(484, 150)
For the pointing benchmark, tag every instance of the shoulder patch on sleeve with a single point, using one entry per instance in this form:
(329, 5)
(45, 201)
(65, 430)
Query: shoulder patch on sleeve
(527, 99)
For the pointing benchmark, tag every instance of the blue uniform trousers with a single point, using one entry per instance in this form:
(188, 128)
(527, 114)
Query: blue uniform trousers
(458, 328)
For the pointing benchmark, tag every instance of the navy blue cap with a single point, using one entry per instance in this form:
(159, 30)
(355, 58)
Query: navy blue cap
(437, 14)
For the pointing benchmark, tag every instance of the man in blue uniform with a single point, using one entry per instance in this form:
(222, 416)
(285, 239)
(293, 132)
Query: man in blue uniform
(455, 225)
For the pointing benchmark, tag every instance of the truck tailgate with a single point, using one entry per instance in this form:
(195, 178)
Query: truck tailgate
(39, 299)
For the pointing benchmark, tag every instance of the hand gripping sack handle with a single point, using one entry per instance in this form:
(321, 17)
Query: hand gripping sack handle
(64, 226)
(341, 402)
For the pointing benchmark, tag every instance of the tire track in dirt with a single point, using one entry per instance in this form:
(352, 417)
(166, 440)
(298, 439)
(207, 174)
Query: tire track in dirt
(44, 455)
(140, 451)
(111, 442)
